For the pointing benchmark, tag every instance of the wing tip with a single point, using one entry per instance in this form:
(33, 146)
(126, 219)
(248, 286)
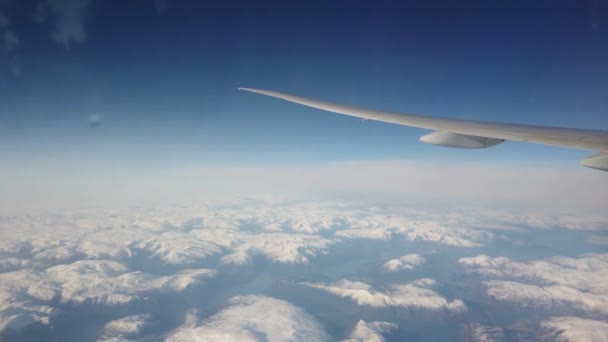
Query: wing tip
(260, 91)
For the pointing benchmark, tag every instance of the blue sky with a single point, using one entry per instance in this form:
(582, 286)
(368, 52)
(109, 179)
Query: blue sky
(165, 78)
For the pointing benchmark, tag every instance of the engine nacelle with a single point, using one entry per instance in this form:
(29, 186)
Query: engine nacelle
(456, 140)
(597, 161)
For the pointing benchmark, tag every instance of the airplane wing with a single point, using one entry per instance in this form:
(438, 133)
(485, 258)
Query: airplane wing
(471, 134)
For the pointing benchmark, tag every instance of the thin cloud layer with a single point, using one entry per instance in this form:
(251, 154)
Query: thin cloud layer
(534, 186)
(579, 190)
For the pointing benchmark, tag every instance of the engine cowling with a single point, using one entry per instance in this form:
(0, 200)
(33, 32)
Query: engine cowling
(456, 140)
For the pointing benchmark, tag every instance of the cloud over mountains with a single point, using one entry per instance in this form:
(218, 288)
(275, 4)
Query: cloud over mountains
(407, 262)
(414, 295)
(123, 329)
(233, 261)
(571, 329)
(580, 283)
(370, 332)
(253, 318)
(29, 296)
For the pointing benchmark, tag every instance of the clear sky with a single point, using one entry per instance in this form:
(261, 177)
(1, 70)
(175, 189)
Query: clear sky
(163, 77)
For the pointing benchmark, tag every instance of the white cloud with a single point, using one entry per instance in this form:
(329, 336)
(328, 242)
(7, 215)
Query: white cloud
(414, 295)
(253, 318)
(574, 329)
(580, 283)
(123, 329)
(407, 262)
(370, 332)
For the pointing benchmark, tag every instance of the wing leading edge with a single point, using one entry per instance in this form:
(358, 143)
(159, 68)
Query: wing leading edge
(467, 133)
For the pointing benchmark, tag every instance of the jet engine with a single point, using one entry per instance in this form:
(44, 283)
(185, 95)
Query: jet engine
(456, 140)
